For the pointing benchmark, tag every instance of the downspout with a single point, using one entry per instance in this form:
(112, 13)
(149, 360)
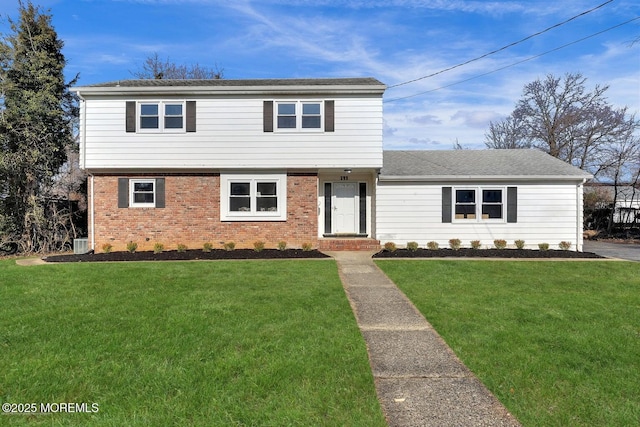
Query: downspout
(580, 215)
(82, 130)
(92, 214)
(83, 158)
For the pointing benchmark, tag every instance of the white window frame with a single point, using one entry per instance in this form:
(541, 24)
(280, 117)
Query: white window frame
(280, 179)
(479, 202)
(298, 115)
(161, 117)
(132, 202)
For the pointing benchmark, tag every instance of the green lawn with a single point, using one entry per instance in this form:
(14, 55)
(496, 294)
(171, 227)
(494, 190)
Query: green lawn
(557, 342)
(237, 343)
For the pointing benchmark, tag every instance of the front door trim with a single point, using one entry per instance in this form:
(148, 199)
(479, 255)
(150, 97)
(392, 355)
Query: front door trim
(332, 227)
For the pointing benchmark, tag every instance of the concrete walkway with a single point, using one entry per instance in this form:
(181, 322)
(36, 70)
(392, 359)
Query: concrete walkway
(419, 380)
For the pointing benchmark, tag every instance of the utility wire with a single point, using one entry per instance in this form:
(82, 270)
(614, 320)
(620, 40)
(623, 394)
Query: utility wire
(515, 63)
(502, 48)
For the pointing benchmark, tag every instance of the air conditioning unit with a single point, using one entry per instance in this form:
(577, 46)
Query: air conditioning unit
(80, 246)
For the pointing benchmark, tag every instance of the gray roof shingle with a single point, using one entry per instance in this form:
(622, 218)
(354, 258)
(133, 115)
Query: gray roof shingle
(358, 81)
(476, 164)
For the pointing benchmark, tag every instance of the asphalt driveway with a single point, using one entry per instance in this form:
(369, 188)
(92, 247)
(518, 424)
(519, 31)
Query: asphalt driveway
(628, 251)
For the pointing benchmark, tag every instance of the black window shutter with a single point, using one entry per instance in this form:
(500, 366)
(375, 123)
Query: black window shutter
(512, 204)
(131, 116)
(191, 116)
(160, 199)
(123, 192)
(329, 116)
(446, 204)
(363, 207)
(267, 116)
(327, 208)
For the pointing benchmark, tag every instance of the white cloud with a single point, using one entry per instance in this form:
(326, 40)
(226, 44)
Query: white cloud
(476, 119)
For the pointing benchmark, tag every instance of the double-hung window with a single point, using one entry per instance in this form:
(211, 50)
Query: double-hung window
(300, 116)
(492, 204)
(142, 193)
(479, 204)
(465, 204)
(161, 116)
(245, 197)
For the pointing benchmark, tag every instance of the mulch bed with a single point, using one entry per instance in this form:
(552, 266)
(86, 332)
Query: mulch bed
(220, 254)
(188, 255)
(483, 253)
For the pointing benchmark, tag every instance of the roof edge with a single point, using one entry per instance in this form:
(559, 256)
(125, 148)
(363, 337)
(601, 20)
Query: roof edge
(476, 178)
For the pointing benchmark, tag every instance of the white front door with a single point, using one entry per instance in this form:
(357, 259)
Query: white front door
(344, 217)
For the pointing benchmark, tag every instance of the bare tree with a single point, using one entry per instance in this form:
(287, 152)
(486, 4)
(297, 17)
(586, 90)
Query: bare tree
(621, 161)
(155, 68)
(508, 133)
(561, 117)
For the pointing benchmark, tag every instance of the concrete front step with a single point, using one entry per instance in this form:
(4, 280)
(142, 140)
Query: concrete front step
(349, 244)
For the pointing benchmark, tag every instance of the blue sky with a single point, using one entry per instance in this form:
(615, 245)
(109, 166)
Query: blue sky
(392, 40)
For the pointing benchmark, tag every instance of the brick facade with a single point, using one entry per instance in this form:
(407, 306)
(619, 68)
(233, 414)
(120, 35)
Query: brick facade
(191, 215)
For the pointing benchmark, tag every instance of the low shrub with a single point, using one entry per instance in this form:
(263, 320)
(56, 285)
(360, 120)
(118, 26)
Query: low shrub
(282, 245)
(475, 244)
(412, 246)
(158, 247)
(229, 246)
(565, 246)
(107, 248)
(258, 246)
(390, 246)
(306, 246)
(207, 247)
(455, 244)
(432, 245)
(500, 243)
(519, 244)
(182, 247)
(543, 246)
(132, 246)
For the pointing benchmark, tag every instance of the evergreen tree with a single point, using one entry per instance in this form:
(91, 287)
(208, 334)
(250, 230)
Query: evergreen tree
(37, 112)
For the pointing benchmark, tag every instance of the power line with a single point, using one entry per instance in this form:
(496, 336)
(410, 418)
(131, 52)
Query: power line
(502, 48)
(515, 63)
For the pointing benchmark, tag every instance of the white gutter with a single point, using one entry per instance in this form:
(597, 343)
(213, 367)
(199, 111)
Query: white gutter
(477, 178)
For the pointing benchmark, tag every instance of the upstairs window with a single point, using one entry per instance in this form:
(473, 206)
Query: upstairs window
(173, 118)
(311, 116)
(160, 116)
(286, 116)
(149, 117)
(299, 116)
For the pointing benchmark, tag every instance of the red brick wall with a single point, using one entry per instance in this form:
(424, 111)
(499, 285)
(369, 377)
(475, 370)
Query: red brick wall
(192, 216)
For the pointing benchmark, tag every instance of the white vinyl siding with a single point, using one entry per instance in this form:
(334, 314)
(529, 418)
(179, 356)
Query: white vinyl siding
(547, 213)
(230, 135)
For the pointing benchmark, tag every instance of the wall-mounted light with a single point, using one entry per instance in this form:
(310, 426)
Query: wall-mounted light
(347, 170)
